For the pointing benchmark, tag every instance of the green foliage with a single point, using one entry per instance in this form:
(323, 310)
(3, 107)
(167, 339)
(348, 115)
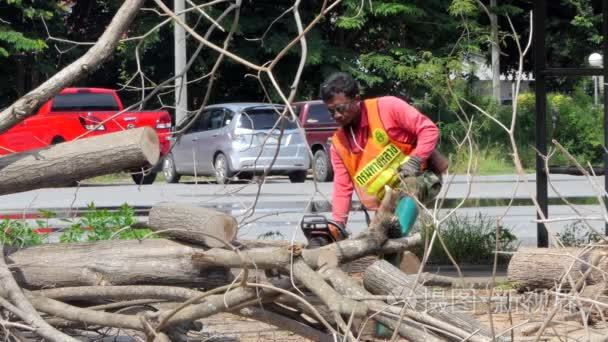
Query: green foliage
(18, 233)
(470, 240)
(573, 121)
(24, 51)
(463, 7)
(578, 234)
(18, 43)
(395, 8)
(95, 225)
(105, 225)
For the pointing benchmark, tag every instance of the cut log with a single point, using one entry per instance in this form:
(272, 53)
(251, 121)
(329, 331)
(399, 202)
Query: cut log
(117, 262)
(72, 161)
(544, 268)
(197, 225)
(382, 278)
(150, 261)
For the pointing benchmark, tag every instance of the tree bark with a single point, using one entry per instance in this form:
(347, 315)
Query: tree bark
(197, 225)
(544, 268)
(382, 278)
(91, 60)
(124, 262)
(72, 161)
(150, 261)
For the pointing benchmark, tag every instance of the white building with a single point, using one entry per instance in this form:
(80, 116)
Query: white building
(483, 73)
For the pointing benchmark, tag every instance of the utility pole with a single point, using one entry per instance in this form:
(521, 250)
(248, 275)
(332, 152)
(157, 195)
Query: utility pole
(495, 52)
(181, 83)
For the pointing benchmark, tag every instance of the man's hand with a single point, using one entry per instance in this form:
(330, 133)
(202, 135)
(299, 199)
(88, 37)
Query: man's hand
(337, 230)
(411, 167)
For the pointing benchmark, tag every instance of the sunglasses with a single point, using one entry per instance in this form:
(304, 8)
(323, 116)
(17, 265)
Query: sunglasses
(342, 107)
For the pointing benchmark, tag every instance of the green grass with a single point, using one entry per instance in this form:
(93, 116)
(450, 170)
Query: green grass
(125, 178)
(114, 178)
(488, 161)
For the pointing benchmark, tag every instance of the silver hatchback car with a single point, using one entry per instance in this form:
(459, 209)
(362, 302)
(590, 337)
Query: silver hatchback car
(238, 139)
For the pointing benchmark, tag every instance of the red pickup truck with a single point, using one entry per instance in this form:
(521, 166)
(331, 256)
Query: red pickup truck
(319, 127)
(82, 111)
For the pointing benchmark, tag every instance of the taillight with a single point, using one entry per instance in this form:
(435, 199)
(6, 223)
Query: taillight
(163, 124)
(92, 123)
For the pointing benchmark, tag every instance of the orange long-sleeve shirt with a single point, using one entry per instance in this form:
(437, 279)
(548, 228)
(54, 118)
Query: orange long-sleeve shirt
(403, 123)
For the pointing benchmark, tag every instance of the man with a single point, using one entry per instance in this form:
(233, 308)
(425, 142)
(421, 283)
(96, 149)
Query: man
(380, 141)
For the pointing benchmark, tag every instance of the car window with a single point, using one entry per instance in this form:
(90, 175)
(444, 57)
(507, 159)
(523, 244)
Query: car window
(228, 116)
(216, 119)
(318, 113)
(200, 125)
(263, 119)
(297, 109)
(84, 102)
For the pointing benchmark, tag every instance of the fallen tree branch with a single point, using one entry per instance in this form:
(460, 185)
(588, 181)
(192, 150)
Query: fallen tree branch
(349, 287)
(10, 290)
(315, 283)
(385, 279)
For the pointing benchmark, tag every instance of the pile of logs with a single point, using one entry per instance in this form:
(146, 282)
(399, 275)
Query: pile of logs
(200, 270)
(195, 268)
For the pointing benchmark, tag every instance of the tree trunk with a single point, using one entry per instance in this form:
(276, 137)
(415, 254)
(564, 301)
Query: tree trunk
(72, 161)
(544, 268)
(383, 278)
(495, 52)
(122, 262)
(197, 225)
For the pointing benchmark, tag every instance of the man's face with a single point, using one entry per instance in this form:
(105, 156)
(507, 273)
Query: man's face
(343, 109)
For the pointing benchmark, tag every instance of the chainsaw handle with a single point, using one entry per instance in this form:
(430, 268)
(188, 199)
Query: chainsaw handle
(341, 228)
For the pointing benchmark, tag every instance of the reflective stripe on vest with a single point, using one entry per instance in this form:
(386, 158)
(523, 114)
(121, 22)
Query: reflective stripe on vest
(377, 165)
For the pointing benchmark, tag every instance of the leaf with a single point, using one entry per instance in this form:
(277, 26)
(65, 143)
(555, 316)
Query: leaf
(395, 8)
(19, 42)
(463, 7)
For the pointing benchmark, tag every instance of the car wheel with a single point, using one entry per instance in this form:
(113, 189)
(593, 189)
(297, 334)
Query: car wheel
(298, 176)
(222, 169)
(57, 140)
(171, 175)
(321, 167)
(140, 178)
(245, 176)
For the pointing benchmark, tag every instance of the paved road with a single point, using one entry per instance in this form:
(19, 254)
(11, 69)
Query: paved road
(281, 204)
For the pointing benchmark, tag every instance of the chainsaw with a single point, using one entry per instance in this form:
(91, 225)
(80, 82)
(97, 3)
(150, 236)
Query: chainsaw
(319, 231)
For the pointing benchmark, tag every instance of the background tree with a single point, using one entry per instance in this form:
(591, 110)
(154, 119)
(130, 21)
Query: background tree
(24, 58)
